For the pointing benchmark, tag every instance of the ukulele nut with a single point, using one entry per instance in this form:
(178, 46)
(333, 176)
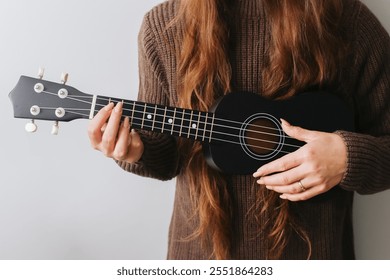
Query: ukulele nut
(60, 112)
(63, 93)
(39, 87)
(35, 110)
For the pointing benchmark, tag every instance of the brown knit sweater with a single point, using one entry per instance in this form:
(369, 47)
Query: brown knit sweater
(365, 86)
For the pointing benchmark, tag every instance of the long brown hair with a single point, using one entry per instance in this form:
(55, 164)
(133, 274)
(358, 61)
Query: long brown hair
(304, 51)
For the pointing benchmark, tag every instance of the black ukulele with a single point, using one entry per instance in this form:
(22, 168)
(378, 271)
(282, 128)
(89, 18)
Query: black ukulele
(241, 132)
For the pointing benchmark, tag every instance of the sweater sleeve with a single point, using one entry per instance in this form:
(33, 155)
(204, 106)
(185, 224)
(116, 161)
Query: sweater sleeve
(160, 157)
(368, 162)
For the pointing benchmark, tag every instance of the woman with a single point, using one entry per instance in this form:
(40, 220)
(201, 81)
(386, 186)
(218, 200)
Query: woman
(299, 206)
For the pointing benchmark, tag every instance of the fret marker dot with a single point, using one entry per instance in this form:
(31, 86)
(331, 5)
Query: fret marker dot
(149, 117)
(193, 125)
(170, 121)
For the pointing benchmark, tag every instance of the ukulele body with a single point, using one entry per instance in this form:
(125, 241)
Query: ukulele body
(255, 136)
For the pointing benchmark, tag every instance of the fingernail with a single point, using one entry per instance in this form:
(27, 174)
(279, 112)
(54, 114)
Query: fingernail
(126, 123)
(109, 106)
(283, 196)
(284, 122)
(118, 107)
(257, 173)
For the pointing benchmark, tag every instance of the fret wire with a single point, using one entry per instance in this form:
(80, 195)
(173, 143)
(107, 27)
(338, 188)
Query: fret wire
(211, 130)
(132, 114)
(205, 126)
(190, 124)
(182, 120)
(197, 127)
(154, 117)
(143, 118)
(173, 121)
(165, 114)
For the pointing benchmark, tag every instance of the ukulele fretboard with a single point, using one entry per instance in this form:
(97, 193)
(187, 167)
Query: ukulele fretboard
(186, 123)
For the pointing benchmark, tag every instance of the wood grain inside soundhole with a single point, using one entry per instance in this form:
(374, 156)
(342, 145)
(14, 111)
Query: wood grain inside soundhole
(262, 136)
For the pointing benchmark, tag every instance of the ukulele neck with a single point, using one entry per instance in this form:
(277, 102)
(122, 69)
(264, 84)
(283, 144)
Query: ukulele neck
(185, 123)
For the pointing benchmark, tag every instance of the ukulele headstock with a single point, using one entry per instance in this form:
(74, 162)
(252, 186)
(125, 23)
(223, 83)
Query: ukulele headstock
(39, 99)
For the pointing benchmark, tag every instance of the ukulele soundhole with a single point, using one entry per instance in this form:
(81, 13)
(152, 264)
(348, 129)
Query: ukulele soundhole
(261, 136)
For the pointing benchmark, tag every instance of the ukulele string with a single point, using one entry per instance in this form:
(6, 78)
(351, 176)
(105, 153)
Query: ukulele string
(168, 110)
(216, 124)
(204, 122)
(68, 110)
(214, 132)
(211, 132)
(184, 112)
(71, 110)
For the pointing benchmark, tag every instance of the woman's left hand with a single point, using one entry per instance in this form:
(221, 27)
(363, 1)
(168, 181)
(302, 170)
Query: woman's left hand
(313, 169)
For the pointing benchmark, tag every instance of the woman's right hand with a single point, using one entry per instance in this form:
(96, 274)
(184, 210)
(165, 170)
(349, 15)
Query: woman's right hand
(113, 138)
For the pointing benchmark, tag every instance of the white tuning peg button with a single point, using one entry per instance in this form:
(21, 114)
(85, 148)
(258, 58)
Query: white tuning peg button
(55, 128)
(31, 127)
(64, 78)
(41, 72)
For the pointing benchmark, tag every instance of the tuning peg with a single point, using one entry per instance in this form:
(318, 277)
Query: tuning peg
(64, 78)
(41, 72)
(55, 128)
(31, 127)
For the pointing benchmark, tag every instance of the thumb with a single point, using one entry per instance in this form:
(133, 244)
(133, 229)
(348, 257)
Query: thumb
(298, 133)
(136, 147)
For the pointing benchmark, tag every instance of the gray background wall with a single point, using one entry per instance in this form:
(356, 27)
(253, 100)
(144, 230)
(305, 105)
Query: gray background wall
(59, 199)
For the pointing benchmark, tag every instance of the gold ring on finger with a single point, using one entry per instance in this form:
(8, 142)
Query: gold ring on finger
(301, 186)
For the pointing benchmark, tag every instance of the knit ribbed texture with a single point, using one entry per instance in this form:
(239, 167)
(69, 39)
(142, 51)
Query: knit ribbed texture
(328, 217)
